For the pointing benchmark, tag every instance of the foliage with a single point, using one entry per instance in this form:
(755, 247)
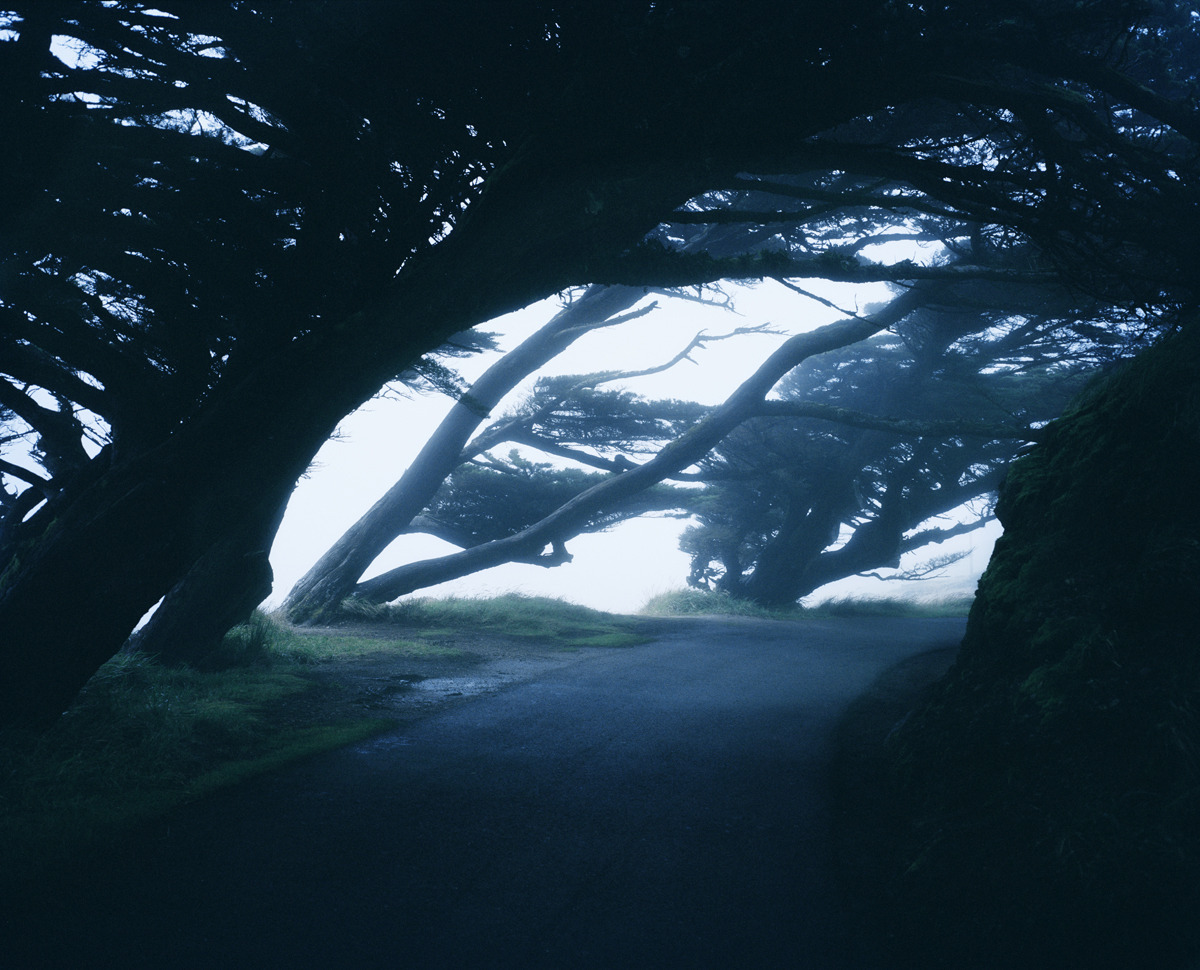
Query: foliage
(569, 410)
(793, 503)
(490, 499)
(1050, 785)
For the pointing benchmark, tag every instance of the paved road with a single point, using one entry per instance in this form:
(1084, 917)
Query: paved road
(656, 807)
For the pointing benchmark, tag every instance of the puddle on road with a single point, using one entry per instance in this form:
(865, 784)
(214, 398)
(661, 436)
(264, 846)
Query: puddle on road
(409, 695)
(457, 686)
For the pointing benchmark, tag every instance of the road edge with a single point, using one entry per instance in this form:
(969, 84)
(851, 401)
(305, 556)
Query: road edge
(863, 824)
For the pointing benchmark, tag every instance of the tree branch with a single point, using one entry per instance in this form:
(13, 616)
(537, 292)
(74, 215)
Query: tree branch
(43, 485)
(569, 519)
(652, 262)
(927, 536)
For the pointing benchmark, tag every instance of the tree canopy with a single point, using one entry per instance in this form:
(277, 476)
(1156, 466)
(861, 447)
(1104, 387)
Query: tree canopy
(234, 223)
(797, 501)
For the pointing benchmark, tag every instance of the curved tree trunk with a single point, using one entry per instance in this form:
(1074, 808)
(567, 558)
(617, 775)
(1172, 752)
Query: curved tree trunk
(220, 591)
(112, 553)
(571, 518)
(112, 548)
(335, 574)
(792, 568)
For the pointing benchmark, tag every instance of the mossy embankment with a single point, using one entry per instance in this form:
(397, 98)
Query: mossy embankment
(1045, 799)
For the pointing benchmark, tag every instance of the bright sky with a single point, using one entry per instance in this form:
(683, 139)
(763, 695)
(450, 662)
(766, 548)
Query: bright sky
(617, 570)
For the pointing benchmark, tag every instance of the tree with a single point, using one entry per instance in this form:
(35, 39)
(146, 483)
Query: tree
(793, 504)
(484, 501)
(239, 223)
(611, 494)
(890, 406)
(333, 577)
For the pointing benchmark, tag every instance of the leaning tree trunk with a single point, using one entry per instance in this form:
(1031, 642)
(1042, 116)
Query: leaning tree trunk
(114, 547)
(321, 590)
(220, 591)
(571, 518)
(112, 551)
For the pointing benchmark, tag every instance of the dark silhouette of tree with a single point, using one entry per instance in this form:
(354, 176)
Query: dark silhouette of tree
(793, 503)
(231, 225)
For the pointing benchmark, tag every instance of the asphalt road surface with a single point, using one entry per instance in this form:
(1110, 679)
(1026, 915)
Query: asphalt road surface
(662, 806)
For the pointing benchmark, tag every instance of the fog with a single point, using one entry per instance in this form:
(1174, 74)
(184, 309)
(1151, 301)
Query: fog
(620, 569)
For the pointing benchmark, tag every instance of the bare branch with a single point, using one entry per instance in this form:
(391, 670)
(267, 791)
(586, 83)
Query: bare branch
(929, 569)
(819, 299)
(517, 428)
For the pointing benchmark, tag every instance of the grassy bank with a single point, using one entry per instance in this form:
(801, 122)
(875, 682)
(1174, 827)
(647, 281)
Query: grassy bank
(697, 602)
(143, 737)
(512, 614)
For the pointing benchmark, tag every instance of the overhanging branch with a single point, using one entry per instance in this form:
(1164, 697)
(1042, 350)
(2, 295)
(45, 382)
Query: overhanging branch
(652, 263)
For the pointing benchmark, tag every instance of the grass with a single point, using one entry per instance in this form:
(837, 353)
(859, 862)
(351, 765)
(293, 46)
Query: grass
(868, 606)
(143, 738)
(515, 615)
(140, 740)
(697, 602)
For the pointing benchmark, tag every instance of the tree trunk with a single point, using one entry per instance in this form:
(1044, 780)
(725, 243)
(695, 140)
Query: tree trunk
(220, 591)
(570, 519)
(321, 590)
(112, 548)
